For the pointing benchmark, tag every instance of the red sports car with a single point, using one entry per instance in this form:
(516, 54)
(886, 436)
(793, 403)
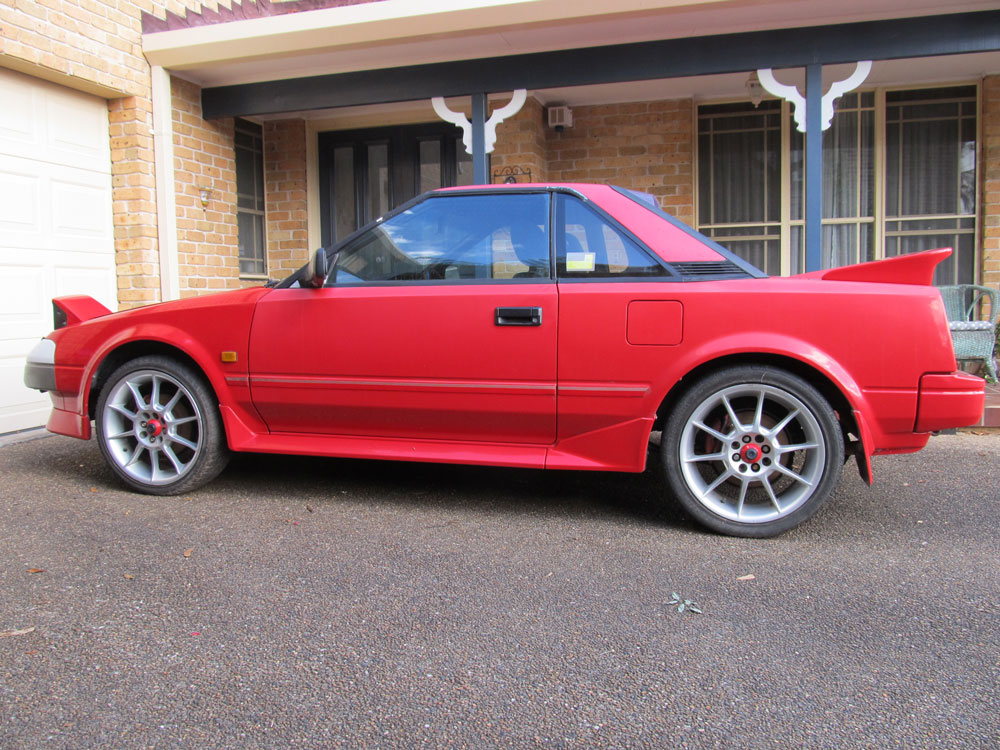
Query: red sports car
(544, 326)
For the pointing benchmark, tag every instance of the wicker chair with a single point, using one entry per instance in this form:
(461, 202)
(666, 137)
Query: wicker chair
(973, 338)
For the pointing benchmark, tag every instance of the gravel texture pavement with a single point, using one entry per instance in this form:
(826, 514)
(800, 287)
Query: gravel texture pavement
(327, 603)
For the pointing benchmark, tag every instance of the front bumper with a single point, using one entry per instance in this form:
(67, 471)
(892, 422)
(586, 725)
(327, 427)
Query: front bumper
(40, 368)
(952, 400)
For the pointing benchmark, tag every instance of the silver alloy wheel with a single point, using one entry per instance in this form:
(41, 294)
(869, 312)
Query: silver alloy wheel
(752, 453)
(152, 427)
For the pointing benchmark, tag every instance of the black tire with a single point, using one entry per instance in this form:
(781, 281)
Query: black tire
(768, 473)
(159, 428)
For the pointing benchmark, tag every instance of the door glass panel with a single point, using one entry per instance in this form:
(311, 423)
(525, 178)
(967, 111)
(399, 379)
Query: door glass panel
(430, 165)
(590, 247)
(739, 180)
(378, 180)
(931, 177)
(454, 238)
(345, 208)
(388, 167)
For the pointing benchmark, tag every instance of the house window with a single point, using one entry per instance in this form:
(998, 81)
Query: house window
(901, 187)
(249, 144)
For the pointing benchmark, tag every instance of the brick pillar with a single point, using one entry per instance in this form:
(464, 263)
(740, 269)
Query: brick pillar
(285, 196)
(990, 169)
(521, 144)
(133, 188)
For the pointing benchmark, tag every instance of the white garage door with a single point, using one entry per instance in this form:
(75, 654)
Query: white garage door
(55, 222)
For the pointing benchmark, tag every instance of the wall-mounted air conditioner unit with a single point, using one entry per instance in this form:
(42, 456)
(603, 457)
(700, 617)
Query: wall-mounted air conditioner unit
(560, 117)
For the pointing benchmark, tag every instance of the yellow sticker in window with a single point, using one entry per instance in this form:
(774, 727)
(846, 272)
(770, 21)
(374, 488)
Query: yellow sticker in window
(577, 262)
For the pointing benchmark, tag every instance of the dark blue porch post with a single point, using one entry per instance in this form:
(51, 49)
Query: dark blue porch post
(479, 158)
(814, 166)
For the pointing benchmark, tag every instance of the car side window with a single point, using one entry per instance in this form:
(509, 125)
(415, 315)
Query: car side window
(454, 238)
(589, 246)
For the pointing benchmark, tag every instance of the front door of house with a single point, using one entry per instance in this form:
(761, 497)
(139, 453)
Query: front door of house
(366, 173)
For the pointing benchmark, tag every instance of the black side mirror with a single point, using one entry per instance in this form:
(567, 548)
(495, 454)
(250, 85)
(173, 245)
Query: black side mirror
(319, 267)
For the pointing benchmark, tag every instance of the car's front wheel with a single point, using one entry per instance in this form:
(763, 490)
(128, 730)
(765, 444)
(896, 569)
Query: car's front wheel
(159, 427)
(752, 451)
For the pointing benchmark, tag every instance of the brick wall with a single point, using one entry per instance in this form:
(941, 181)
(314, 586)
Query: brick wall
(133, 196)
(85, 44)
(640, 145)
(207, 249)
(990, 211)
(285, 195)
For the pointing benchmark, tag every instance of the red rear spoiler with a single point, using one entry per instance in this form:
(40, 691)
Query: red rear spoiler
(914, 268)
(68, 311)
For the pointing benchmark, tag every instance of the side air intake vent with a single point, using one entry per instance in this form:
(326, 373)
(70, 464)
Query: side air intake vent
(709, 270)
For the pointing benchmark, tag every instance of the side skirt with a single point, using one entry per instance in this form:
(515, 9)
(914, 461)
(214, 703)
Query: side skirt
(625, 445)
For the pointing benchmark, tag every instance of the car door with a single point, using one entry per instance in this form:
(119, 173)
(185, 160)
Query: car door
(620, 324)
(440, 324)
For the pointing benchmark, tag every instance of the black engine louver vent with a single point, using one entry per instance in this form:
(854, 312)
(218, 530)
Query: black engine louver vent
(708, 270)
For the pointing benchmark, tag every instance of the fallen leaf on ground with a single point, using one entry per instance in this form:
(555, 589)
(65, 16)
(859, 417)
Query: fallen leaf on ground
(36, 570)
(12, 633)
(683, 604)
(93, 489)
(129, 577)
(309, 508)
(747, 577)
(187, 552)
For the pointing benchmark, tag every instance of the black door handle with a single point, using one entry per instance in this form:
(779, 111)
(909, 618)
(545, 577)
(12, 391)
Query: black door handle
(519, 316)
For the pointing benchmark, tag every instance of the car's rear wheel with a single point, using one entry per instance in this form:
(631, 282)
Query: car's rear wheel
(752, 451)
(159, 427)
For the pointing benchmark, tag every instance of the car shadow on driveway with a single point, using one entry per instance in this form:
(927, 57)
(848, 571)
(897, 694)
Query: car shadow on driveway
(612, 496)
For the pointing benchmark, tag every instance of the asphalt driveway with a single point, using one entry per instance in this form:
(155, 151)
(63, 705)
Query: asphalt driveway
(325, 603)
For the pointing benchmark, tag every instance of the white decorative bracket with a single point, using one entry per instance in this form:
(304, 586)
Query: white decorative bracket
(490, 131)
(791, 93)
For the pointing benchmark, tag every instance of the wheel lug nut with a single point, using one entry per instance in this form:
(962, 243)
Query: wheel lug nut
(743, 467)
(142, 434)
(755, 467)
(766, 462)
(766, 449)
(736, 446)
(143, 424)
(759, 438)
(746, 438)
(736, 456)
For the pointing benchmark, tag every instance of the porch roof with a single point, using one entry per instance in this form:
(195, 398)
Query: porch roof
(398, 50)
(949, 34)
